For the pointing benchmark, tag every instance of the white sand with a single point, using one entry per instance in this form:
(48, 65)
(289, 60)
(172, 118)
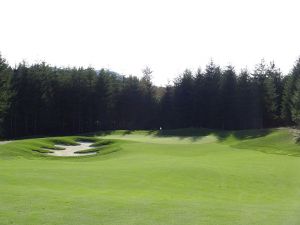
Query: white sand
(69, 150)
(4, 142)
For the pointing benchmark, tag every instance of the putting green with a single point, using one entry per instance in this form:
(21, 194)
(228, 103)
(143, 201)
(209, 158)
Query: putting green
(175, 177)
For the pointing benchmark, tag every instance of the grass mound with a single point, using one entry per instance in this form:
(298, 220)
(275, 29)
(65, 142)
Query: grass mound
(37, 147)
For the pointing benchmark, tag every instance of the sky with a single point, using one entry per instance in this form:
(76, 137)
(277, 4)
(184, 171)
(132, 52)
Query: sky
(168, 36)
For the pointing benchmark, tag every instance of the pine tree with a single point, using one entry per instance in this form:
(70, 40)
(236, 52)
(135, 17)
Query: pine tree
(271, 93)
(183, 99)
(41, 99)
(210, 92)
(199, 100)
(288, 97)
(149, 100)
(245, 101)
(295, 110)
(228, 101)
(259, 77)
(5, 93)
(166, 111)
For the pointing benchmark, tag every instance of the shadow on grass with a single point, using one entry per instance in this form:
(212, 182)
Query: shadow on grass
(198, 133)
(191, 133)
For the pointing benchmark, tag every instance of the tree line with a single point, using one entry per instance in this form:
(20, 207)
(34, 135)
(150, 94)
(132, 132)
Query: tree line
(40, 99)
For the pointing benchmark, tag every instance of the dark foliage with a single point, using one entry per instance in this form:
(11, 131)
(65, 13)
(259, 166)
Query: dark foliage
(42, 100)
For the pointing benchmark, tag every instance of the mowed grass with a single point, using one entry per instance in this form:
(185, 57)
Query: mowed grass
(178, 177)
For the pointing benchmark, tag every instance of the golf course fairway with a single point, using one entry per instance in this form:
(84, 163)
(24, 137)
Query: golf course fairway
(176, 177)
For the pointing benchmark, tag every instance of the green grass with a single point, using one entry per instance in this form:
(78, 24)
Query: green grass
(178, 177)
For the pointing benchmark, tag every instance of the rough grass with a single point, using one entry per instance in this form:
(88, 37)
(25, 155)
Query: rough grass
(173, 177)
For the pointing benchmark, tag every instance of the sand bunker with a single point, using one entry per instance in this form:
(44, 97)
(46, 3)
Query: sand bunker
(4, 142)
(70, 150)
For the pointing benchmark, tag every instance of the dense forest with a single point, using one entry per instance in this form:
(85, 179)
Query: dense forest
(41, 99)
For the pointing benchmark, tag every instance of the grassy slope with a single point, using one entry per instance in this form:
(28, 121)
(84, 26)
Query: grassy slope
(172, 177)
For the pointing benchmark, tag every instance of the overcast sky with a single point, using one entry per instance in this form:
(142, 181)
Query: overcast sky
(166, 35)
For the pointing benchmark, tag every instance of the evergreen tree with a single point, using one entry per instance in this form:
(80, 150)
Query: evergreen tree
(288, 99)
(259, 77)
(245, 102)
(5, 93)
(210, 92)
(228, 101)
(199, 100)
(166, 113)
(295, 110)
(149, 100)
(41, 99)
(183, 99)
(272, 92)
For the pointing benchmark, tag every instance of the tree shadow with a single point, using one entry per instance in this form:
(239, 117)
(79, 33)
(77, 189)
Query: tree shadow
(109, 132)
(98, 133)
(196, 134)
